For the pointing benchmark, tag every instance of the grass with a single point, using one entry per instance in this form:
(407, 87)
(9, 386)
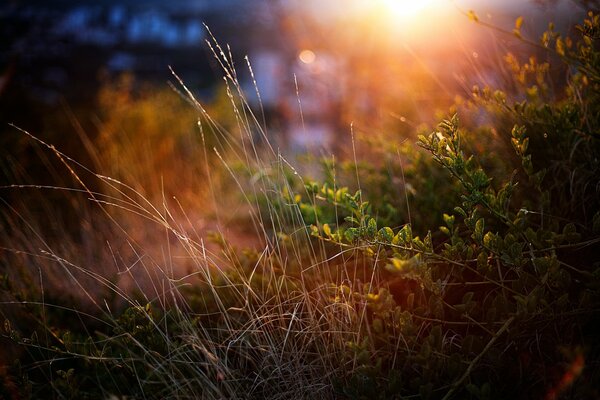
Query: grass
(338, 296)
(283, 330)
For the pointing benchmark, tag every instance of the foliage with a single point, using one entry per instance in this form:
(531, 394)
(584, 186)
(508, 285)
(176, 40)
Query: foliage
(519, 263)
(483, 281)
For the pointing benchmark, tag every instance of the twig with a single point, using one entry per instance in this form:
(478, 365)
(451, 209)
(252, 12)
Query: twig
(464, 377)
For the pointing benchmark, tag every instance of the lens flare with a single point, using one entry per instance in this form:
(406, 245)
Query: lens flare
(307, 56)
(405, 8)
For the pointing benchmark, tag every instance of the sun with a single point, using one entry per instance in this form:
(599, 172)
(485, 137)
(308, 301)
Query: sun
(405, 9)
(410, 20)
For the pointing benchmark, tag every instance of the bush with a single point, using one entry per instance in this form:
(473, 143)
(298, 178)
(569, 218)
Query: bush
(498, 301)
(487, 286)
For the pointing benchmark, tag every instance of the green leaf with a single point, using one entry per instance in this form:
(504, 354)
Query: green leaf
(478, 232)
(405, 234)
(480, 179)
(449, 220)
(570, 233)
(490, 240)
(460, 211)
(351, 234)
(524, 145)
(363, 208)
(482, 261)
(386, 234)
(401, 265)
(351, 220)
(314, 231)
(371, 228)
(518, 132)
(569, 228)
(428, 242)
(397, 265)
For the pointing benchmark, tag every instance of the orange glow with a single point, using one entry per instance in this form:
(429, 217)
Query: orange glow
(568, 378)
(406, 8)
(410, 20)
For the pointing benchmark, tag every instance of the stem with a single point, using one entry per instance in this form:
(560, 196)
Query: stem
(464, 377)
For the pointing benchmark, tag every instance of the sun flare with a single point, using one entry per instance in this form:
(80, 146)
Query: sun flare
(405, 8)
(414, 20)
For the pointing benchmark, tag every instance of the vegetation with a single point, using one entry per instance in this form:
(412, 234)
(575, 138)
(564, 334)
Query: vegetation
(465, 268)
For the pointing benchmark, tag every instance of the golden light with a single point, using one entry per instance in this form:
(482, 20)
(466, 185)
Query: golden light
(405, 8)
(307, 56)
(410, 20)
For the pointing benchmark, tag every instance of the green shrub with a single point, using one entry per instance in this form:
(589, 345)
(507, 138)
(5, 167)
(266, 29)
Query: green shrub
(482, 281)
(506, 289)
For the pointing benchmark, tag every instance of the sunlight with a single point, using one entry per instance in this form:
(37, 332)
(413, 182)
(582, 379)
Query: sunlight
(409, 19)
(405, 8)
